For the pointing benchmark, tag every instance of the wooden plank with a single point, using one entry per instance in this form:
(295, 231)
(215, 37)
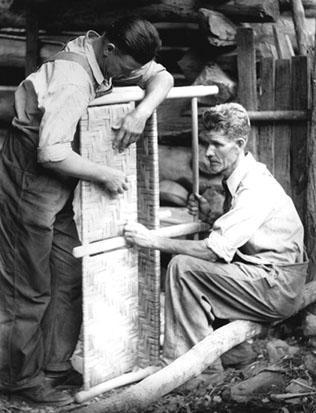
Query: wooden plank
(247, 81)
(283, 45)
(300, 26)
(299, 89)
(311, 186)
(266, 102)
(283, 130)
(32, 46)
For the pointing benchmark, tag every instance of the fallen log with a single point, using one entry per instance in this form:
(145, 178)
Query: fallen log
(187, 366)
(249, 10)
(178, 372)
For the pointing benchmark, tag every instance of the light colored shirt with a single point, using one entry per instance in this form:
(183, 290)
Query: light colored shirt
(262, 225)
(51, 100)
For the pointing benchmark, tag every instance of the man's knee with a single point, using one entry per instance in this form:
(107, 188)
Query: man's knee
(178, 266)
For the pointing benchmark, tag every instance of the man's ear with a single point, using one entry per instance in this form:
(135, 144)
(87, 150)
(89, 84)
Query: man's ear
(241, 142)
(108, 48)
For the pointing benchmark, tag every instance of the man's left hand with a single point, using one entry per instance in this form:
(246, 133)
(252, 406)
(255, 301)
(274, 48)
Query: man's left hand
(139, 235)
(129, 130)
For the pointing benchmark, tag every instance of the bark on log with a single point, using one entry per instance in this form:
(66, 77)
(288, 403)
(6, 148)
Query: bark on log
(249, 10)
(181, 370)
(82, 15)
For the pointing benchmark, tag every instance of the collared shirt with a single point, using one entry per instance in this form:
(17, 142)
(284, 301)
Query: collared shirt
(262, 225)
(51, 100)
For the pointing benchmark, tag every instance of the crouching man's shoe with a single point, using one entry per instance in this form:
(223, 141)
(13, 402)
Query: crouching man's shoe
(44, 393)
(66, 378)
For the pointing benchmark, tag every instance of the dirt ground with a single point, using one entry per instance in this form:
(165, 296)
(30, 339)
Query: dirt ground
(283, 353)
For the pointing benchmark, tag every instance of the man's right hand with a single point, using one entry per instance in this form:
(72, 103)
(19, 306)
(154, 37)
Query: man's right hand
(115, 181)
(197, 204)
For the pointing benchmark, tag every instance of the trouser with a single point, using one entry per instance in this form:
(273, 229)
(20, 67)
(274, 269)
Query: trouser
(40, 281)
(198, 291)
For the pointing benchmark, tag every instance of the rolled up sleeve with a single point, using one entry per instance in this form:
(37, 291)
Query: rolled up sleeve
(62, 109)
(233, 229)
(141, 76)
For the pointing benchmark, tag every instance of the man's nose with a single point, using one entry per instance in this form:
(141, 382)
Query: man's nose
(210, 150)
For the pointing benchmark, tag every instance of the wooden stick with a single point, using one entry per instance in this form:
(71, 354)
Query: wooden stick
(300, 26)
(187, 366)
(120, 381)
(287, 396)
(111, 244)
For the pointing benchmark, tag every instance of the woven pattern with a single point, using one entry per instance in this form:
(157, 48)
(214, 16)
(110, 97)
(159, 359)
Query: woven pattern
(120, 288)
(110, 280)
(148, 262)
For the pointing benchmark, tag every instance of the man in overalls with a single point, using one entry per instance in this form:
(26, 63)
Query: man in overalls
(40, 281)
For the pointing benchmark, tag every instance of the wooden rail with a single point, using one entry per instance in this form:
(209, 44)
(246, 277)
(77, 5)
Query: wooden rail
(135, 93)
(111, 244)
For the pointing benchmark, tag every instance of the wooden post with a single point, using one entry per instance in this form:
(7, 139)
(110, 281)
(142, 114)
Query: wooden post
(311, 186)
(300, 26)
(266, 102)
(247, 80)
(300, 91)
(32, 46)
(282, 131)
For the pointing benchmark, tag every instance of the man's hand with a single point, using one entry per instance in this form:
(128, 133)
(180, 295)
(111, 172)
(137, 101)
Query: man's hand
(197, 204)
(137, 234)
(129, 130)
(114, 181)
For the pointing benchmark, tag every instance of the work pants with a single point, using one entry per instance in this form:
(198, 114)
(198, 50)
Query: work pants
(40, 281)
(198, 291)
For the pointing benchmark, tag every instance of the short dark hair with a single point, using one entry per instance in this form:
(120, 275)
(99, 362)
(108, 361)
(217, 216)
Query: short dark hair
(135, 37)
(231, 118)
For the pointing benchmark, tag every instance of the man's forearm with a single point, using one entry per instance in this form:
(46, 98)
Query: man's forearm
(197, 249)
(157, 89)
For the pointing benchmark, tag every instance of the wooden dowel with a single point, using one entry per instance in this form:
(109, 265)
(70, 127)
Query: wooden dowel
(119, 381)
(195, 151)
(111, 244)
(135, 93)
(278, 115)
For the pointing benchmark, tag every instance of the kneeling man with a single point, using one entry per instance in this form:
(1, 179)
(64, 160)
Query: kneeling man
(251, 266)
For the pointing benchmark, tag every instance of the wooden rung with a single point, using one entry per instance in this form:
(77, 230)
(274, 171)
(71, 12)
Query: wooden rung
(278, 115)
(123, 380)
(111, 244)
(135, 93)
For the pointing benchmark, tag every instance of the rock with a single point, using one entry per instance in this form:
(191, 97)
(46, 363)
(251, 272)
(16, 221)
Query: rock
(263, 383)
(212, 74)
(220, 31)
(172, 193)
(310, 364)
(278, 349)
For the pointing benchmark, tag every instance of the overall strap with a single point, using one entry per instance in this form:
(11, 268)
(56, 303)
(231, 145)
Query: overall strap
(73, 57)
